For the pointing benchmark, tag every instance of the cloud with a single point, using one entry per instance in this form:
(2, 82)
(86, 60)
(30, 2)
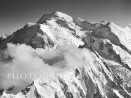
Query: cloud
(28, 60)
(24, 61)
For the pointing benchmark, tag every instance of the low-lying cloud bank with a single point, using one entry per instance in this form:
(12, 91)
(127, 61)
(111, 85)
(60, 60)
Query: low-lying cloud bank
(27, 60)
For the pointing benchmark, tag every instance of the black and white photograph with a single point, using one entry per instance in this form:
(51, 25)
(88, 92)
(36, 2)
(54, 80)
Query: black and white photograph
(65, 48)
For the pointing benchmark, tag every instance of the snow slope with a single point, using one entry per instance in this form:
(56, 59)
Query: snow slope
(105, 49)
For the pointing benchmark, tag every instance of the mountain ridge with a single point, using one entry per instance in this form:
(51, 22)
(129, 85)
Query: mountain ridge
(108, 55)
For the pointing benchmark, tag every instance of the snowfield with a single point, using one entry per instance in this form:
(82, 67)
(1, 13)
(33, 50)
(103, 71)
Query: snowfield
(67, 58)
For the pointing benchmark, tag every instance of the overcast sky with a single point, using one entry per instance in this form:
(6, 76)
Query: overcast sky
(14, 14)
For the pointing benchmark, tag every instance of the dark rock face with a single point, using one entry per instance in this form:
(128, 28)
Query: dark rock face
(27, 35)
(1, 91)
(24, 35)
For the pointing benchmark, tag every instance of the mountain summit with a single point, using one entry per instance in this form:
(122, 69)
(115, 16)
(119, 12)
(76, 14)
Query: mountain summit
(103, 52)
(56, 15)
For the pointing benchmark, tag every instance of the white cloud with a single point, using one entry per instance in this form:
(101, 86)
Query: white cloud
(28, 60)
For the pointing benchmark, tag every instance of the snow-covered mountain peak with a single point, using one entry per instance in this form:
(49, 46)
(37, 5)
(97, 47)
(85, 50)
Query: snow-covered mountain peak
(29, 24)
(95, 57)
(128, 28)
(3, 36)
(104, 22)
(63, 15)
(56, 15)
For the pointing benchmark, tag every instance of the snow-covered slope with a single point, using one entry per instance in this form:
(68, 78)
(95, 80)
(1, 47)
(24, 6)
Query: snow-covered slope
(105, 49)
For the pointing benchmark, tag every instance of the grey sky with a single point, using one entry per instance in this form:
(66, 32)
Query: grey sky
(14, 14)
